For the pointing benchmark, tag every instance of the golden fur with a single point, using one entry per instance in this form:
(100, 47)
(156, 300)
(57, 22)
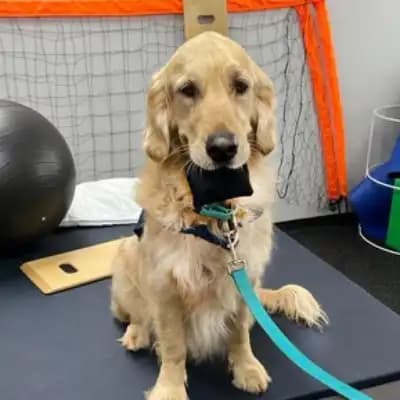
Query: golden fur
(174, 289)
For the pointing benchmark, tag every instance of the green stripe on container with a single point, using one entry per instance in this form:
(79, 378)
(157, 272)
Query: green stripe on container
(393, 232)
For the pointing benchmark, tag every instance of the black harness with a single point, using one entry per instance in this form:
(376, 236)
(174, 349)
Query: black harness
(201, 231)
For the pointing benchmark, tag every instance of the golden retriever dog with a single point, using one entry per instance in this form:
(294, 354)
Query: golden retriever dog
(210, 106)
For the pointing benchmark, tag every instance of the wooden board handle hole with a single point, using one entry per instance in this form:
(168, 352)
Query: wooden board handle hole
(68, 268)
(205, 19)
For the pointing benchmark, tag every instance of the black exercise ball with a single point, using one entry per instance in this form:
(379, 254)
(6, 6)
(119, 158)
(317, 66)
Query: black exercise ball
(37, 175)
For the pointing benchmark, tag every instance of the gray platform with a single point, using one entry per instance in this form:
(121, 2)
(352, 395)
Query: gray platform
(64, 346)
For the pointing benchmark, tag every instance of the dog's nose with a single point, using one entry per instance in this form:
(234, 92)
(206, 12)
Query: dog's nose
(221, 146)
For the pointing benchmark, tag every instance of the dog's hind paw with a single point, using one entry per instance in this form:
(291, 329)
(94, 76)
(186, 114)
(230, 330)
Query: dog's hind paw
(135, 338)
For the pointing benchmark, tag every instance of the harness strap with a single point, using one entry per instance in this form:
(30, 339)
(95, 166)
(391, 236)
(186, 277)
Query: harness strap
(201, 231)
(139, 226)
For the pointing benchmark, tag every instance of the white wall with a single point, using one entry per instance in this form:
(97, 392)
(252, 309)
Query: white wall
(367, 42)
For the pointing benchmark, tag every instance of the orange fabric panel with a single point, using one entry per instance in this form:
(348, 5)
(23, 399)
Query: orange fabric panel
(312, 48)
(333, 88)
(51, 8)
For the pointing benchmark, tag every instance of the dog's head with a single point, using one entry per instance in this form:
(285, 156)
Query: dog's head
(212, 104)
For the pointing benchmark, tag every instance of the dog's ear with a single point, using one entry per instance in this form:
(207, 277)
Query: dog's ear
(157, 135)
(264, 120)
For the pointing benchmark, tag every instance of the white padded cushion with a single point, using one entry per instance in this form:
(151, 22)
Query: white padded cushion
(104, 202)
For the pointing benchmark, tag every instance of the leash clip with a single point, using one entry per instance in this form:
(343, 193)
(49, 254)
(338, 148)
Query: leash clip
(230, 230)
(229, 225)
(236, 265)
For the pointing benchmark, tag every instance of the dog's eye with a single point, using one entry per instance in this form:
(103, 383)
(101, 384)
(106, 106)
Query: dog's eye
(240, 86)
(189, 89)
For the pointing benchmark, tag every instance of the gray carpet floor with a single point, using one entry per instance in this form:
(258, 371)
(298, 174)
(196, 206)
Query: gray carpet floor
(335, 239)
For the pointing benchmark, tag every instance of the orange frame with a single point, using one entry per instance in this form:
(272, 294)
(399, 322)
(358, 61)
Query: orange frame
(318, 44)
(314, 22)
(79, 8)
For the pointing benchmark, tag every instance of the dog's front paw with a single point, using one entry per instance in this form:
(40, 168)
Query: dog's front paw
(135, 338)
(296, 303)
(166, 392)
(301, 306)
(250, 376)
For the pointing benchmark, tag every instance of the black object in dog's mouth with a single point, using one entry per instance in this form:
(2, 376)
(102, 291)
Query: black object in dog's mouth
(218, 185)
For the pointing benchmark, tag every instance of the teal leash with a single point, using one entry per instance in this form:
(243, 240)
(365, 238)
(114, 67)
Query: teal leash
(237, 270)
(245, 288)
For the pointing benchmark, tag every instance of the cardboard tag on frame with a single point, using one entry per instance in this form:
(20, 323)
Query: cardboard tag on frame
(205, 15)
